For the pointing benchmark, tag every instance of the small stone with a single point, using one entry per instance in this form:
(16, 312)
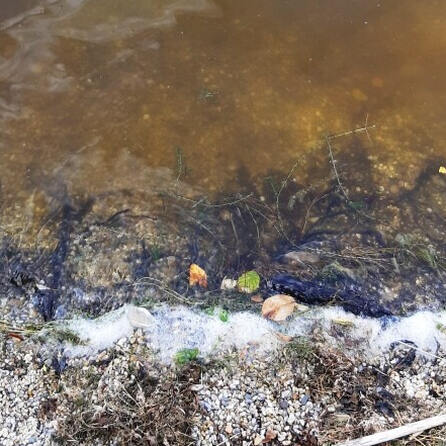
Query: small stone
(228, 284)
(301, 257)
(283, 404)
(304, 400)
(291, 419)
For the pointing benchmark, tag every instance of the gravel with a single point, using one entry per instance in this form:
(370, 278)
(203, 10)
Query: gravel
(242, 398)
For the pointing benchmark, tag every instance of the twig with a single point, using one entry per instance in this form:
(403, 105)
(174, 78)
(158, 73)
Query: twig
(202, 201)
(161, 286)
(365, 129)
(307, 213)
(77, 152)
(335, 170)
(420, 350)
(282, 187)
(255, 222)
(402, 431)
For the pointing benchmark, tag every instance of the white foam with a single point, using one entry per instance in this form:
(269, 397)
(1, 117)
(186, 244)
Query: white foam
(374, 336)
(99, 333)
(177, 328)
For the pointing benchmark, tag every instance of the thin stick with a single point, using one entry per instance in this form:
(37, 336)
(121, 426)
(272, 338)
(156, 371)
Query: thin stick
(424, 352)
(203, 202)
(282, 187)
(357, 130)
(402, 431)
(335, 170)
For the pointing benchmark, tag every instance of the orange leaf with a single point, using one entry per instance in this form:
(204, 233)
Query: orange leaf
(197, 276)
(278, 307)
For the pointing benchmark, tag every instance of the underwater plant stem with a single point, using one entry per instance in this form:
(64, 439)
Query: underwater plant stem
(365, 129)
(335, 170)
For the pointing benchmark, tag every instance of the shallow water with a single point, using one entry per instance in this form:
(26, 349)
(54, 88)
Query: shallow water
(239, 87)
(111, 108)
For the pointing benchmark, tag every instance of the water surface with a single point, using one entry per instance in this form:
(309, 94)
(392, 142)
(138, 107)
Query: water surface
(107, 107)
(240, 87)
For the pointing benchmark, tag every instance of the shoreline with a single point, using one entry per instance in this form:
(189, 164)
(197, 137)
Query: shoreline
(306, 390)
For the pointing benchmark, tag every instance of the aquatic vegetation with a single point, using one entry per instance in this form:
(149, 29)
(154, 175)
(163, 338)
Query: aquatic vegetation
(414, 249)
(181, 167)
(155, 252)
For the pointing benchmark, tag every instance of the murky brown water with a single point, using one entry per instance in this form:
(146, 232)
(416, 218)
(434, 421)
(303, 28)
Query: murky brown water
(93, 92)
(111, 109)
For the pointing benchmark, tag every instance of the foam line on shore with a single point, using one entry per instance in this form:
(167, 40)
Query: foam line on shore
(176, 328)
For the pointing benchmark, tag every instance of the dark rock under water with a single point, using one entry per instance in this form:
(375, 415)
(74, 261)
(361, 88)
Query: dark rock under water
(350, 295)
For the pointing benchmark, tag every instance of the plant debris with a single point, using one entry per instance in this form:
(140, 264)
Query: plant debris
(248, 282)
(278, 307)
(197, 276)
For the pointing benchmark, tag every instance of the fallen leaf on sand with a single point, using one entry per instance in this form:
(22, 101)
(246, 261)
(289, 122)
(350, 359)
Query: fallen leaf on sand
(197, 276)
(257, 298)
(278, 307)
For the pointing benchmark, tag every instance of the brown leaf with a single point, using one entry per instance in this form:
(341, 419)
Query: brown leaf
(258, 299)
(16, 336)
(270, 435)
(197, 276)
(278, 307)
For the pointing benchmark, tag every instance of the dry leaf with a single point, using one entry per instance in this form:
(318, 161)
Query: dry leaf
(258, 299)
(278, 307)
(15, 336)
(283, 337)
(442, 169)
(270, 435)
(197, 276)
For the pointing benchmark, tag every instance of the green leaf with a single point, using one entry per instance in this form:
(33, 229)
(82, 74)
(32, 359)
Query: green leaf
(186, 355)
(248, 282)
(223, 315)
(209, 311)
